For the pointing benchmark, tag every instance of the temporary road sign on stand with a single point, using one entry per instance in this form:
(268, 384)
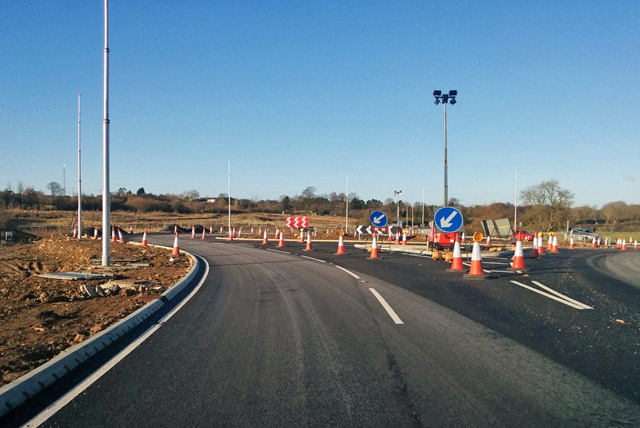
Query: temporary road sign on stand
(448, 219)
(378, 219)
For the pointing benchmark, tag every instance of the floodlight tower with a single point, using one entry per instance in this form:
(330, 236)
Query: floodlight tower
(445, 99)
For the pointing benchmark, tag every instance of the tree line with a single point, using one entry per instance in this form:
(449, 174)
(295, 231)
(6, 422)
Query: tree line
(546, 206)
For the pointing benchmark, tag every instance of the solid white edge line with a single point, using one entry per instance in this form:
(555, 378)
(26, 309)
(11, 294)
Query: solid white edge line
(550, 296)
(349, 272)
(396, 319)
(313, 258)
(55, 407)
(562, 296)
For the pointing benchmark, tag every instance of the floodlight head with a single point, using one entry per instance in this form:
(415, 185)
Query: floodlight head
(445, 98)
(453, 93)
(437, 101)
(453, 101)
(437, 93)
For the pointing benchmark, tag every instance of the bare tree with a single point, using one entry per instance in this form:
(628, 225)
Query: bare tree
(550, 204)
(55, 188)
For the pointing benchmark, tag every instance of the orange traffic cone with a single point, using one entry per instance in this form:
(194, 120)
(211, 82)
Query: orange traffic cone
(204, 233)
(210, 230)
(390, 239)
(534, 248)
(635, 244)
(193, 232)
(340, 246)
(488, 245)
(231, 233)
(554, 244)
(540, 246)
(475, 272)
(308, 247)
(398, 237)
(120, 236)
(281, 242)
(175, 228)
(176, 249)
(550, 243)
(301, 235)
(572, 246)
(113, 234)
(404, 238)
(374, 248)
(623, 247)
(518, 257)
(75, 232)
(221, 230)
(265, 240)
(95, 233)
(144, 238)
(456, 263)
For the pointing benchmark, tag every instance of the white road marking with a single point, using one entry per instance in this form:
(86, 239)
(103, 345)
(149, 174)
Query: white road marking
(562, 296)
(313, 258)
(278, 251)
(550, 296)
(349, 272)
(55, 407)
(386, 306)
(495, 263)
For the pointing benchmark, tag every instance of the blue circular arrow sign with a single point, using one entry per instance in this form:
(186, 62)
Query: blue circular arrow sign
(378, 219)
(448, 219)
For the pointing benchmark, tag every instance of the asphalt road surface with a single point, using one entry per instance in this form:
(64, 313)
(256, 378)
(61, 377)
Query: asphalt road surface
(277, 339)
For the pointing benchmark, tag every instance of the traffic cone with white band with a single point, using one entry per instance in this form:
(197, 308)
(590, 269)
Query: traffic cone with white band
(193, 232)
(540, 246)
(176, 248)
(308, 247)
(281, 241)
(204, 232)
(120, 235)
(534, 248)
(144, 238)
(518, 257)
(456, 262)
(340, 246)
(265, 240)
(95, 233)
(554, 244)
(475, 272)
(374, 248)
(404, 238)
(572, 246)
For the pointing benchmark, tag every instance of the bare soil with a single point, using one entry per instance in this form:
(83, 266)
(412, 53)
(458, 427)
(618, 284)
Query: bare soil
(41, 317)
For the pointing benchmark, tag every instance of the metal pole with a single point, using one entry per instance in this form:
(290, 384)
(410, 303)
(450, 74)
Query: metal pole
(64, 179)
(446, 180)
(106, 197)
(229, 195)
(515, 213)
(346, 224)
(422, 223)
(79, 175)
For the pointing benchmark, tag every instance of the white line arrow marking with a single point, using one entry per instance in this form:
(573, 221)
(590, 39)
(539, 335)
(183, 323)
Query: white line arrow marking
(447, 222)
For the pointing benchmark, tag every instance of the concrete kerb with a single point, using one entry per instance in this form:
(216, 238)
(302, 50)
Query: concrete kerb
(17, 392)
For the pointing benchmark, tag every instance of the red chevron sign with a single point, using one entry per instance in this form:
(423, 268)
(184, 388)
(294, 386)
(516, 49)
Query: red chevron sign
(297, 222)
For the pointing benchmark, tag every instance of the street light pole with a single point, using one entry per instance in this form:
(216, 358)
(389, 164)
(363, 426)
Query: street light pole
(106, 196)
(445, 99)
(398, 193)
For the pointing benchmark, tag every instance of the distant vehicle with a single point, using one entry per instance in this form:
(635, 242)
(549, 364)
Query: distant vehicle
(526, 236)
(582, 234)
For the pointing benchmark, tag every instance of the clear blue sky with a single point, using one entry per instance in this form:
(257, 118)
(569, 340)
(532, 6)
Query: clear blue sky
(300, 93)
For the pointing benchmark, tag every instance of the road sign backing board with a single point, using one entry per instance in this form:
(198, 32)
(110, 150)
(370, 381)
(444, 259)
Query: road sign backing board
(448, 219)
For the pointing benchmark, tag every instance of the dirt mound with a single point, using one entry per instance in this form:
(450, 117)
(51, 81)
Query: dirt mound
(41, 317)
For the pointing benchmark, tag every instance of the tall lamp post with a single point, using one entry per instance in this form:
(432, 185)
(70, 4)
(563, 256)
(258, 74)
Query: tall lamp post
(445, 99)
(398, 193)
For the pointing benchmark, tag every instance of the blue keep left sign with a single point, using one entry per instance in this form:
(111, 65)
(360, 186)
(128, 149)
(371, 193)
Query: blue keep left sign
(378, 219)
(448, 219)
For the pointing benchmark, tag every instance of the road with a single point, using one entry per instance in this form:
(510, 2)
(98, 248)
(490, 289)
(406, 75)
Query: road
(276, 339)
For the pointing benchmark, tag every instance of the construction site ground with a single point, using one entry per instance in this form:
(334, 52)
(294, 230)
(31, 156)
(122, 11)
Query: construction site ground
(41, 317)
